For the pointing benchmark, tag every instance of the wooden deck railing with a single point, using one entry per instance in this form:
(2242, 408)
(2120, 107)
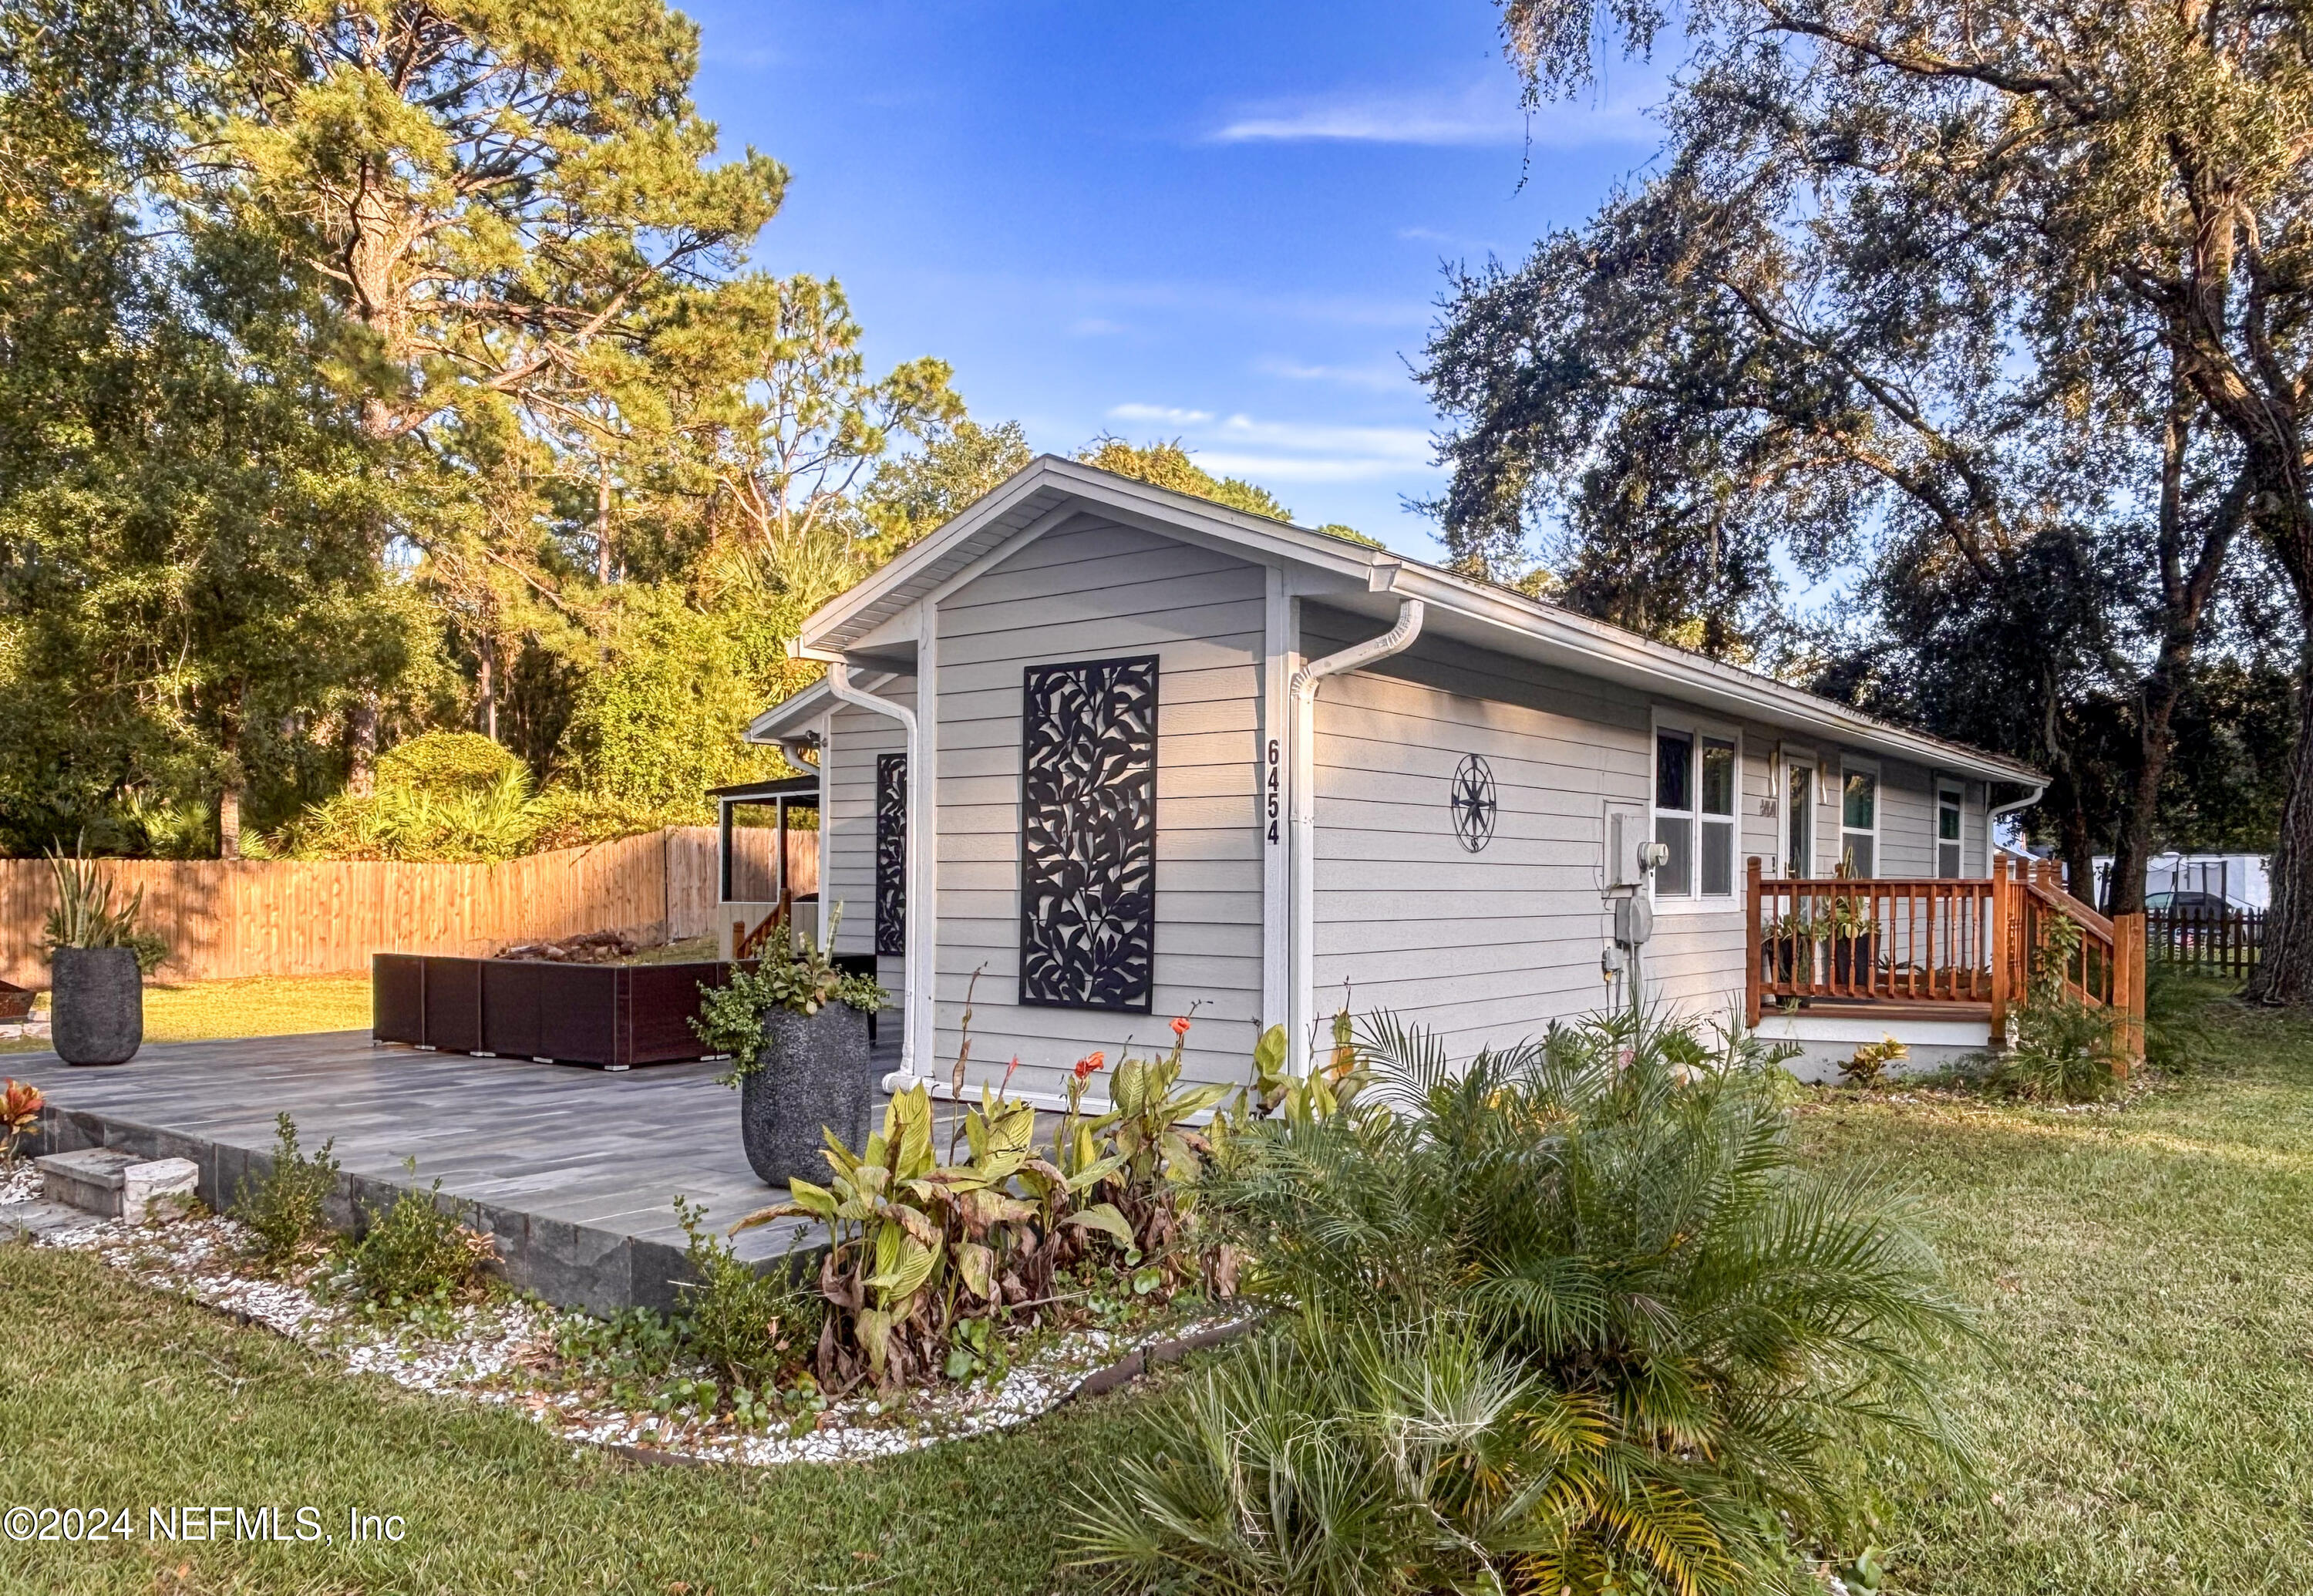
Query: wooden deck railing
(1935, 942)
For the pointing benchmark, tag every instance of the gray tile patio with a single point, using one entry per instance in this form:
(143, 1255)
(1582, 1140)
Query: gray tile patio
(575, 1170)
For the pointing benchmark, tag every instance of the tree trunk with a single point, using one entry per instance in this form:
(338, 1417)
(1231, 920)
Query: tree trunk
(2283, 973)
(2133, 848)
(2076, 850)
(603, 522)
(486, 684)
(229, 790)
(361, 746)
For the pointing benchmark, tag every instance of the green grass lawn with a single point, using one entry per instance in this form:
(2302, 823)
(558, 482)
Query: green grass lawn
(2141, 1396)
(260, 1006)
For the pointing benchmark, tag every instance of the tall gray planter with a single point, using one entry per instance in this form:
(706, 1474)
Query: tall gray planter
(815, 1072)
(96, 1008)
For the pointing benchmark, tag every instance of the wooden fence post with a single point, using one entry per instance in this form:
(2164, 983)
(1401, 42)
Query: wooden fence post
(2128, 983)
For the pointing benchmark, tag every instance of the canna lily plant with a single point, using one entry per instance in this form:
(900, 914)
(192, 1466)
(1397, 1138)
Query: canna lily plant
(921, 1250)
(20, 1111)
(917, 1246)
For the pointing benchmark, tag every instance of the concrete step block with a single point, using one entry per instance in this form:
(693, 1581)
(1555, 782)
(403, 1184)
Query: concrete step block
(35, 1219)
(113, 1185)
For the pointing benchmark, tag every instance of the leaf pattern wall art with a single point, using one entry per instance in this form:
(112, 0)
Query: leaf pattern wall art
(892, 854)
(1089, 835)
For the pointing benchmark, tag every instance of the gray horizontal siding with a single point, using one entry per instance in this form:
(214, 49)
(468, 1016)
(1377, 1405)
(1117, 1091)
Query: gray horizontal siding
(1093, 590)
(857, 736)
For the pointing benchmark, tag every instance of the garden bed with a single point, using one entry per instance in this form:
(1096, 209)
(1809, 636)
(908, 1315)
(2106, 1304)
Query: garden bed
(510, 1353)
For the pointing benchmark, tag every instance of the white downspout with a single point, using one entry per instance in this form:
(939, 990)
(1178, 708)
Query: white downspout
(1992, 823)
(838, 686)
(1302, 859)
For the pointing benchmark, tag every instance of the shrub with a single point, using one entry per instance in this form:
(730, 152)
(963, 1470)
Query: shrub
(1567, 1317)
(730, 1018)
(446, 765)
(750, 1325)
(1868, 1066)
(288, 1209)
(415, 1254)
(2063, 1050)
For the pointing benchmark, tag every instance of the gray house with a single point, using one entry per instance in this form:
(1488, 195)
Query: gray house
(1122, 754)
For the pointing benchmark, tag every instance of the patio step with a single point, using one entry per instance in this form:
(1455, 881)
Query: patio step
(111, 1183)
(31, 1221)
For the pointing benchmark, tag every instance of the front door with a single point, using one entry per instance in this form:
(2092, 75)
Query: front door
(1798, 821)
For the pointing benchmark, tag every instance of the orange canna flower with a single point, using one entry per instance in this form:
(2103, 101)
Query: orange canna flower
(1180, 1026)
(1090, 1062)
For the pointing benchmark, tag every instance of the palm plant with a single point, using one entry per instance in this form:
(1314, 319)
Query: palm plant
(1686, 1340)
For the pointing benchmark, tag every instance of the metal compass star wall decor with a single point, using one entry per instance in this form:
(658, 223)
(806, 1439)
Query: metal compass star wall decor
(1474, 804)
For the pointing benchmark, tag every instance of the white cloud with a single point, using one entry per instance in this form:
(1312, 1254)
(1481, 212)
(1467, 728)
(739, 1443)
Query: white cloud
(1347, 376)
(1095, 327)
(1272, 451)
(1487, 113)
(1405, 444)
(1267, 469)
(1168, 414)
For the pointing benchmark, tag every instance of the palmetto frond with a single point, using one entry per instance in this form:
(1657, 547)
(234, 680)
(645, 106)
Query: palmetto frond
(1571, 1309)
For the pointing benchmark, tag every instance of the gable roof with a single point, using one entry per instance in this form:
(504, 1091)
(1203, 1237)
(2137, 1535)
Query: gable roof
(1349, 575)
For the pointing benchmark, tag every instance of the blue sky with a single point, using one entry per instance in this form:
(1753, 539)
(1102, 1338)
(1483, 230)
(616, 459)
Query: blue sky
(1219, 223)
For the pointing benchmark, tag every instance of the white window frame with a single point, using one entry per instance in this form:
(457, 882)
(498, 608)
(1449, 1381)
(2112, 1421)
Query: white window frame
(1786, 756)
(1957, 790)
(1695, 729)
(1862, 765)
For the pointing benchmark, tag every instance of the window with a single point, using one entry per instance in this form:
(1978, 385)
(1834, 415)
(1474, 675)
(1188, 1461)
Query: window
(1859, 819)
(1798, 820)
(1696, 776)
(1947, 817)
(1674, 812)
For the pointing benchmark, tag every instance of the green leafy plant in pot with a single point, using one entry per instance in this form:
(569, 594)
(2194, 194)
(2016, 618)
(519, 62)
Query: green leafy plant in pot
(795, 1028)
(1853, 932)
(98, 959)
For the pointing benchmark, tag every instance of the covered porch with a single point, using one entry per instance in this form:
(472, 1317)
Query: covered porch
(1939, 965)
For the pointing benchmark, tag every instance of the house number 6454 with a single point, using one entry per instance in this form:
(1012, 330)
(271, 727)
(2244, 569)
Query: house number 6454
(1274, 788)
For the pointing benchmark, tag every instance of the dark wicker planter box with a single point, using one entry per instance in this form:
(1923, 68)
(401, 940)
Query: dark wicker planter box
(607, 1015)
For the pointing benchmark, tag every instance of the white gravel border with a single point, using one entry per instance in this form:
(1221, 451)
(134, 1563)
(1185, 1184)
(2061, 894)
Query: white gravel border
(488, 1343)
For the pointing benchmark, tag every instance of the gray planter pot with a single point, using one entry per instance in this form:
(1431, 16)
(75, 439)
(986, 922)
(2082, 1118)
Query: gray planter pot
(815, 1072)
(96, 1008)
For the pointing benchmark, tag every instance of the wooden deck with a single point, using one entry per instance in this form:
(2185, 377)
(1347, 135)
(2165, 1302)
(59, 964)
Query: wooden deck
(574, 1170)
(1934, 953)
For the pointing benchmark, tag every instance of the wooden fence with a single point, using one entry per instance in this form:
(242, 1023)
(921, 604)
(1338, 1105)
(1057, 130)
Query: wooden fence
(2207, 941)
(299, 918)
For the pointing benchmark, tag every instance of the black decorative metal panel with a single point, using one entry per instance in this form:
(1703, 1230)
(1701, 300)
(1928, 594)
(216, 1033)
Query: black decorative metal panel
(891, 853)
(1475, 802)
(1089, 835)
